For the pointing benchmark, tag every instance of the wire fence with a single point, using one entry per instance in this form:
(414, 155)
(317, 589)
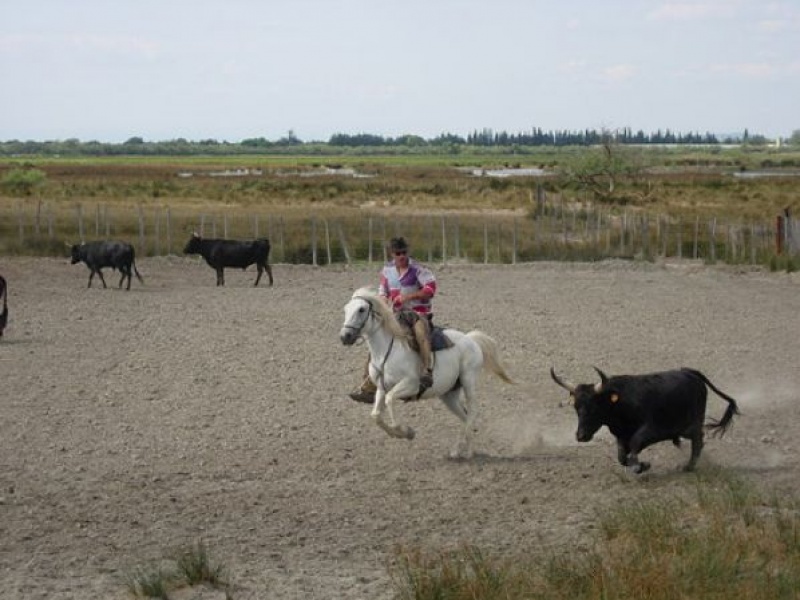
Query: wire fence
(555, 230)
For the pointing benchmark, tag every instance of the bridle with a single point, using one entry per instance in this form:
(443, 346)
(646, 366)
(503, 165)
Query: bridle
(358, 328)
(370, 311)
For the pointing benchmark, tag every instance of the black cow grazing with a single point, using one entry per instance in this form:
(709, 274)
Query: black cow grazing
(232, 253)
(641, 410)
(4, 314)
(97, 255)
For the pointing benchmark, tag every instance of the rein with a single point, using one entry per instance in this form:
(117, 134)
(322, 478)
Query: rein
(358, 329)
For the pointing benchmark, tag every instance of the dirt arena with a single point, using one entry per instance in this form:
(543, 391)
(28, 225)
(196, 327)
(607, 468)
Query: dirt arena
(136, 423)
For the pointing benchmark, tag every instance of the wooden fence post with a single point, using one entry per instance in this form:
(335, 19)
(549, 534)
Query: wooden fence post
(343, 241)
(282, 238)
(169, 231)
(485, 243)
(369, 240)
(514, 244)
(457, 239)
(79, 211)
(50, 231)
(142, 248)
(444, 241)
(328, 240)
(314, 241)
(157, 231)
(20, 223)
(37, 225)
(712, 234)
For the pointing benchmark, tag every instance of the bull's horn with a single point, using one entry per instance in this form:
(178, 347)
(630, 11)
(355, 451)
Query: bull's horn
(570, 387)
(603, 379)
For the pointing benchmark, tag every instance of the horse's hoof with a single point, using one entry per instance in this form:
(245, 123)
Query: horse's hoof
(410, 433)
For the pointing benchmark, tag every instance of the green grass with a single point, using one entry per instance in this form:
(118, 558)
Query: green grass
(188, 567)
(728, 541)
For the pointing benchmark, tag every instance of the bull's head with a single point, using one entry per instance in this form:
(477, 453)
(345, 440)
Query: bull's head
(193, 245)
(592, 403)
(76, 253)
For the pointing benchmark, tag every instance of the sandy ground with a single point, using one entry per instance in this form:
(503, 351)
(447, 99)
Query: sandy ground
(136, 423)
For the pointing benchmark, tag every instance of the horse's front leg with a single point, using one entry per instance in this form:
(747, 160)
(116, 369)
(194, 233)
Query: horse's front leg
(404, 389)
(377, 414)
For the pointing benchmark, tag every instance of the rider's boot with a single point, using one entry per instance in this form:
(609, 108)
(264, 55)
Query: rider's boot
(425, 354)
(366, 391)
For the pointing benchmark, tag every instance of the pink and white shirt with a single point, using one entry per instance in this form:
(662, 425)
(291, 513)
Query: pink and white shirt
(417, 277)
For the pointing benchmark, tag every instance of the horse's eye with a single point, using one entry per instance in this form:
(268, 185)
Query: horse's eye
(361, 309)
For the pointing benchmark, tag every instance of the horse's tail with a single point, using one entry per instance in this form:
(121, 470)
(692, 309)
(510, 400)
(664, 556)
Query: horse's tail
(491, 354)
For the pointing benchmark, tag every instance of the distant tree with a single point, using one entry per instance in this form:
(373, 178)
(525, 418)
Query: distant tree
(411, 140)
(603, 169)
(290, 139)
(134, 141)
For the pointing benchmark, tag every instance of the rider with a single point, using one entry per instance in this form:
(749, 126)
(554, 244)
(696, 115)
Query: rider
(408, 287)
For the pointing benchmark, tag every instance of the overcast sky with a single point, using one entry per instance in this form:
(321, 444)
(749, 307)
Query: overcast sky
(109, 70)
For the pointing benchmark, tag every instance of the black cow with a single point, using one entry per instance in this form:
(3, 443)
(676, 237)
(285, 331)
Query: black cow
(232, 253)
(641, 410)
(4, 314)
(97, 255)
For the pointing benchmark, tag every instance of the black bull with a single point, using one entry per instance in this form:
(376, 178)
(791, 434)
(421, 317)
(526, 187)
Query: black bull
(641, 410)
(232, 253)
(98, 255)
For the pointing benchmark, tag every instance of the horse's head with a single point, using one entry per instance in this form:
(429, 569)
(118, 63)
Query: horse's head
(358, 314)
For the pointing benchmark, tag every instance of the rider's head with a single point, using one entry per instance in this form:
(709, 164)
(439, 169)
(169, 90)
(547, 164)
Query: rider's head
(398, 244)
(399, 248)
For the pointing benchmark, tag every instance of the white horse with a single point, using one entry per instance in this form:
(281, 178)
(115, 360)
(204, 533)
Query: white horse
(395, 367)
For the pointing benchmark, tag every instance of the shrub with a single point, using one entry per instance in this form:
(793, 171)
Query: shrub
(22, 182)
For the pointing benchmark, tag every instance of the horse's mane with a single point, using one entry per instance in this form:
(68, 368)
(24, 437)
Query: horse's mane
(383, 310)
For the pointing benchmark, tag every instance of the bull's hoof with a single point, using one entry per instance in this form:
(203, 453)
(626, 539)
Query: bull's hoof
(640, 468)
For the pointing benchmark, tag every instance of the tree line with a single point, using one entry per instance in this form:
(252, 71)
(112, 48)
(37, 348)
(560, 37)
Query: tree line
(291, 144)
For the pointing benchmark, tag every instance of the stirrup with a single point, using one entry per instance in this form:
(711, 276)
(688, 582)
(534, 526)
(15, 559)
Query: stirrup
(362, 396)
(425, 382)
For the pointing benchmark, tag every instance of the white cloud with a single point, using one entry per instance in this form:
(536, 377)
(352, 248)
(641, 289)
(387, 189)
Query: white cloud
(618, 73)
(106, 44)
(757, 70)
(692, 11)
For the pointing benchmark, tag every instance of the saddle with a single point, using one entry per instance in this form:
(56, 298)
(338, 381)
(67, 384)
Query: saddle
(439, 339)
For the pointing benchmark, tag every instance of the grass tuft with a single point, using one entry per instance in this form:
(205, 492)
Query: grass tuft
(189, 567)
(195, 567)
(149, 582)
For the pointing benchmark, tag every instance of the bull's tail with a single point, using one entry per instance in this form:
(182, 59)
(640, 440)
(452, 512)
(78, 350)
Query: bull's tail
(4, 313)
(721, 426)
(136, 272)
(491, 354)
